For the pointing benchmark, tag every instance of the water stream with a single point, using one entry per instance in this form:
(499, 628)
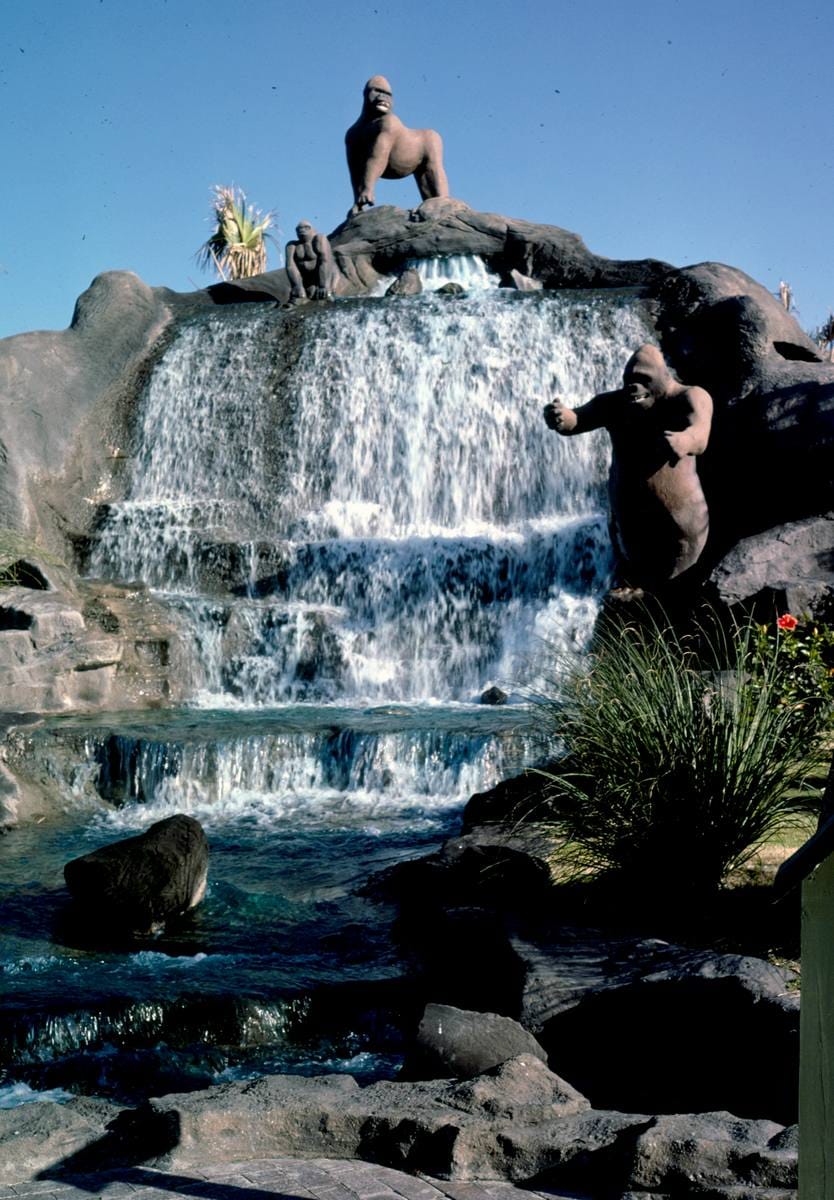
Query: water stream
(357, 533)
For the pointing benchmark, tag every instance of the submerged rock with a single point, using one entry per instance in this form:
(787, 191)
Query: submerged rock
(137, 884)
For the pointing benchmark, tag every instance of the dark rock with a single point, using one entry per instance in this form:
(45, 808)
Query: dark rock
(512, 800)
(408, 283)
(466, 957)
(479, 868)
(381, 240)
(138, 883)
(790, 568)
(661, 1041)
(452, 288)
(685, 1154)
(493, 695)
(456, 1043)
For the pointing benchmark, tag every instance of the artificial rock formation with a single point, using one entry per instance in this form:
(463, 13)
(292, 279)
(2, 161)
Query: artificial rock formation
(769, 462)
(518, 1122)
(379, 146)
(453, 1043)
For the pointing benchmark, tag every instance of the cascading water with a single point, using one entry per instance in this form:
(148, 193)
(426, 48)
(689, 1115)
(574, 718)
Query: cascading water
(425, 526)
(359, 521)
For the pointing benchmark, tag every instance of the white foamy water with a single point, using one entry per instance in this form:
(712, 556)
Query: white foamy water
(16, 1094)
(330, 779)
(424, 522)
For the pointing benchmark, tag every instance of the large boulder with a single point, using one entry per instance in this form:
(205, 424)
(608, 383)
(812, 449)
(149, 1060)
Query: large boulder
(138, 883)
(789, 568)
(686, 1155)
(658, 1038)
(457, 1043)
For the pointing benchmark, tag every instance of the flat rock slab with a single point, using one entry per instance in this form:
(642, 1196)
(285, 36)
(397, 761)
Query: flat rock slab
(307, 1179)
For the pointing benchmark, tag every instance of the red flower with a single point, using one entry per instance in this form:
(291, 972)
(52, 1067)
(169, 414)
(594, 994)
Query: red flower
(787, 622)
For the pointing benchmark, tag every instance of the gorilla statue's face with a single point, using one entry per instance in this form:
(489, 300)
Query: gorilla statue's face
(378, 96)
(646, 377)
(638, 389)
(304, 231)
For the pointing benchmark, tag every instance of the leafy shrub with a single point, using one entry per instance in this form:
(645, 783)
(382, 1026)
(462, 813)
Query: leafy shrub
(679, 761)
(804, 652)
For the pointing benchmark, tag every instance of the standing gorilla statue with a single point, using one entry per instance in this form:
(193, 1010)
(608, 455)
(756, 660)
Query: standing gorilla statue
(379, 146)
(659, 516)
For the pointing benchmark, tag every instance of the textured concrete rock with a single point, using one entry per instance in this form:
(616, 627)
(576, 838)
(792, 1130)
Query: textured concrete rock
(49, 659)
(137, 883)
(502, 1125)
(86, 371)
(86, 647)
(510, 1123)
(34, 1136)
(456, 1043)
(408, 283)
(683, 1155)
(662, 1040)
(787, 569)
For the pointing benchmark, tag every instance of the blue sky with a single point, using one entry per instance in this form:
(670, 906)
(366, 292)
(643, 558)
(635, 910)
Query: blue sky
(679, 130)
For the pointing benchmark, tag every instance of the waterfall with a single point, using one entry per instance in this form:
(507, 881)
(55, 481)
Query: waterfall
(358, 521)
(403, 525)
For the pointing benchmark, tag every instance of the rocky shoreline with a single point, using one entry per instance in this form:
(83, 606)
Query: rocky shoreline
(554, 1089)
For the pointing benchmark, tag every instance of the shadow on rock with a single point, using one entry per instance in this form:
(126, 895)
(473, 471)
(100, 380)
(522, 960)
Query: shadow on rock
(134, 1136)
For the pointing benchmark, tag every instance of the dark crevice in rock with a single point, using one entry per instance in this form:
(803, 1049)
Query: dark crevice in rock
(795, 353)
(26, 574)
(13, 618)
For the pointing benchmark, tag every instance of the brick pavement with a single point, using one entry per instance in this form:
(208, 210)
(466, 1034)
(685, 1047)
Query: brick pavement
(268, 1179)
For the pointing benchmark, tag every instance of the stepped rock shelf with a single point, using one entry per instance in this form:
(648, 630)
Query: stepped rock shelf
(284, 552)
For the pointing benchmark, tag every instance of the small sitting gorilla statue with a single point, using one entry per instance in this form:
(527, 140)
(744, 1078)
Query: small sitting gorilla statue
(379, 146)
(310, 266)
(659, 516)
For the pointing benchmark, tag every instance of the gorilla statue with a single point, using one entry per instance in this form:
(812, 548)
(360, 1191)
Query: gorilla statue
(379, 146)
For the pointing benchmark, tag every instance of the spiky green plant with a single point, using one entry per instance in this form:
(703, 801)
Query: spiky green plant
(237, 247)
(680, 764)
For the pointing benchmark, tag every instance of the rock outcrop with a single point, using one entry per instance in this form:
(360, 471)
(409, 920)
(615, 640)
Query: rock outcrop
(789, 568)
(518, 1122)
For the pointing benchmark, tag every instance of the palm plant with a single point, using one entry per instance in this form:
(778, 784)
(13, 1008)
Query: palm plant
(679, 765)
(237, 247)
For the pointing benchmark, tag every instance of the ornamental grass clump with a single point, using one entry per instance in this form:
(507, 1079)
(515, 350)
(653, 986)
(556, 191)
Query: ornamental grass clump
(679, 763)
